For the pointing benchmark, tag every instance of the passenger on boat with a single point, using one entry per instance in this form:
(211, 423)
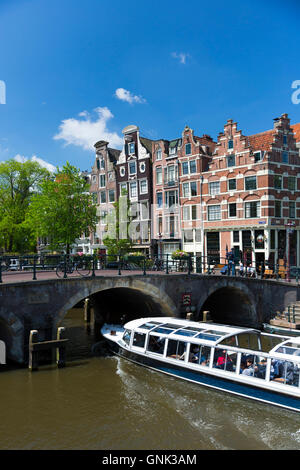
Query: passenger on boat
(223, 361)
(247, 369)
(282, 372)
(194, 354)
(276, 371)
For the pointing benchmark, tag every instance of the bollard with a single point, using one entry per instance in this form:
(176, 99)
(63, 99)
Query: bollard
(61, 350)
(0, 270)
(206, 315)
(87, 310)
(144, 267)
(33, 355)
(189, 316)
(167, 266)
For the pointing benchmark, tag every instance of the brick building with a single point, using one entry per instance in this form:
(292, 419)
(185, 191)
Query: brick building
(166, 211)
(104, 189)
(240, 192)
(134, 177)
(251, 194)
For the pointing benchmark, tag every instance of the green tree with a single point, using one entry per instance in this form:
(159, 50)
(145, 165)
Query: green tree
(18, 184)
(117, 241)
(64, 209)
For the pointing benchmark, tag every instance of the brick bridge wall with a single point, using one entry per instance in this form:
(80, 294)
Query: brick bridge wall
(42, 305)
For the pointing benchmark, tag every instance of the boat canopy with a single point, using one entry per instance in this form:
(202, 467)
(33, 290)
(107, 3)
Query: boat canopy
(288, 348)
(185, 329)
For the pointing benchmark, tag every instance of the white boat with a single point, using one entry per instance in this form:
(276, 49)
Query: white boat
(242, 361)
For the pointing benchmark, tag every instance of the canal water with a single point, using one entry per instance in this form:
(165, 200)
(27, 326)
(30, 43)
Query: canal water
(104, 402)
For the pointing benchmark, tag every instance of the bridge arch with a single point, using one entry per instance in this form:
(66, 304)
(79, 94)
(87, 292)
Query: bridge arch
(12, 333)
(232, 304)
(118, 296)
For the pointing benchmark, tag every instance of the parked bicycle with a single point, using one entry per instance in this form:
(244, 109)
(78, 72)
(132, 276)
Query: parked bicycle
(82, 267)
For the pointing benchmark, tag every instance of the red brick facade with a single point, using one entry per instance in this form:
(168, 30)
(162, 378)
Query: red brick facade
(241, 192)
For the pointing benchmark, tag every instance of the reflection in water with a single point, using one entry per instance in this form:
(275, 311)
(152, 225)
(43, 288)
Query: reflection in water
(105, 402)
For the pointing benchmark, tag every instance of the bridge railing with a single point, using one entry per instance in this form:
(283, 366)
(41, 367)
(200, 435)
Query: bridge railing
(65, 266)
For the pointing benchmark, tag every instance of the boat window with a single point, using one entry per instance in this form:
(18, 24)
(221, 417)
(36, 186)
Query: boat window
(186, 332)
(269, 342)
(193, 328)
(156, 344)
(139, 340)
(249, 341)
(162, 329)
(230, 341)
(285, 372)
(126, 336)
(176, 349)
(289, 348)
(150, 325)
(208, 336)
(253, 365)
(216, 332)
(172, 326)
(225, 360)
(199, 354)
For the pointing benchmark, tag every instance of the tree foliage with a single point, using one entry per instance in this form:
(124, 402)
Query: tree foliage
(117, 241)
(19, 182)
(64, 209)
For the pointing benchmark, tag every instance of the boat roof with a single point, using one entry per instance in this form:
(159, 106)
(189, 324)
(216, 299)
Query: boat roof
(176, 327)
(288, 349)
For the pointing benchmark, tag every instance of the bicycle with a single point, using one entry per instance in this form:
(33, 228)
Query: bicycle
(82, 267)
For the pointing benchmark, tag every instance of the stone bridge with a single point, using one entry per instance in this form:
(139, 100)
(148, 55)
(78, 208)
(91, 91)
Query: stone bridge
(42, 305)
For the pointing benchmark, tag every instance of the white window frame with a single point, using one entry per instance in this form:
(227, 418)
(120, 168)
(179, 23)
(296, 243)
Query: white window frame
(131, 185)
(101, 178)
(158, 154)
(132, 172)
(129, 148)
(212, 216)
(214, 184)
(145, 191)
(160, 173)
(232, 216)
(248, 210)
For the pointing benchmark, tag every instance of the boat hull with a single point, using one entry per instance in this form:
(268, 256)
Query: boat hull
(209, 380)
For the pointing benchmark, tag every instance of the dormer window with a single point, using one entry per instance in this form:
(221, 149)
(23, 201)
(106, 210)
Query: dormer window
(131, 148)
(230, 144)
(172, 151)
(188, 149)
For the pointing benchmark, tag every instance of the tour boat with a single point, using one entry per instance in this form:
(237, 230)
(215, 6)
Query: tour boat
(242, 361)
(281, 330)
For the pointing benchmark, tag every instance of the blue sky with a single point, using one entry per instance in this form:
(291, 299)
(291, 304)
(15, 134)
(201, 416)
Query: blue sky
(80, 71)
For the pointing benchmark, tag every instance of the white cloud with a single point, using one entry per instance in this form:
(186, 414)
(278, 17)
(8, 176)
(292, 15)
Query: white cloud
(181, 57)
(125, 95)
(34, 158)
(85, 132)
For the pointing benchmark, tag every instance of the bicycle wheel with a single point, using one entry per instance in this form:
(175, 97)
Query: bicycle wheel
(83, 268)
(60, 270)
